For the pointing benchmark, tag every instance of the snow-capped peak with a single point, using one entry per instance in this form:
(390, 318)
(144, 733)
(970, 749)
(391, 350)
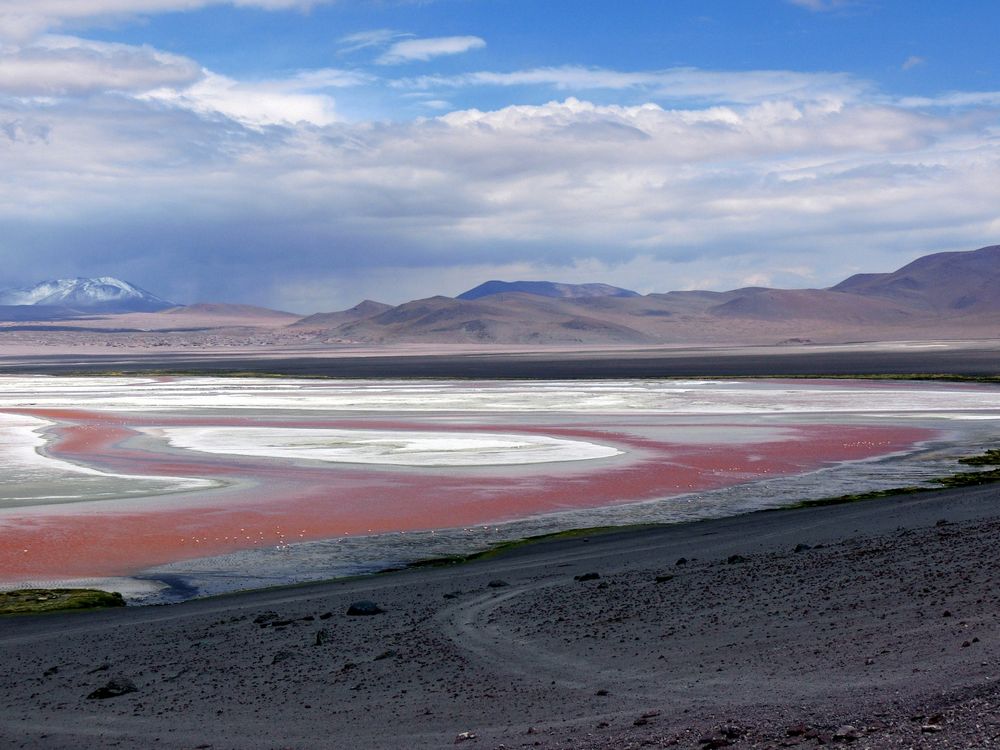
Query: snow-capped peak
(105, 292)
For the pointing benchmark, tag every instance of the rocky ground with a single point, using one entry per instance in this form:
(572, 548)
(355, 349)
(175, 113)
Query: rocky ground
(871, 625)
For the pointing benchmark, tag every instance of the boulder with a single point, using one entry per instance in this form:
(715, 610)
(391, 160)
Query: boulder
(114, 688)
(364, 609)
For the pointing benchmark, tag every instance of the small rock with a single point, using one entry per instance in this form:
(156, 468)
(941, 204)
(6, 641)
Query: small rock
(452, 595)
(713, 743)
(681, 561)
(497, 584)
(846, 733)
(942, 522)
(587, 577)
(735, 559)
(266, 618)
(797, 731)
(326, 615)
(802, 548)
(282, 656)
(601, 692)
(463, 736)
(364, 609)
(931, 728)
(731, 732)
(322, 636)
(664, 578)
(387, 655)
(115, 687)
(50, 671)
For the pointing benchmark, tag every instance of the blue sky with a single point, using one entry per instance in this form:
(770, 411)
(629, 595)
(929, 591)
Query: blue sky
(308, 154)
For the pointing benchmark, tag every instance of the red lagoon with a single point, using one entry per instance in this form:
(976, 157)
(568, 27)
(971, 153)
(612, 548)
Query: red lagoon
(272, 502)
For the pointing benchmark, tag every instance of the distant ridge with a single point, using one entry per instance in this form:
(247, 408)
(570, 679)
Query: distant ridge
(944, 295)
(102, 294)
(367, 309)
(546, 289)
(942, 282)
(227, 310)
(950, 294)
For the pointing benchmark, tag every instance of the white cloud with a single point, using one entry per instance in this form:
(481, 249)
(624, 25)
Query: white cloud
(675, 83)
(297, 99)
(822, 6)
(61, 66)
(913, 61)
(954, 99)
(64, 67)
(366, 39)
(23, 19)
(411, 50)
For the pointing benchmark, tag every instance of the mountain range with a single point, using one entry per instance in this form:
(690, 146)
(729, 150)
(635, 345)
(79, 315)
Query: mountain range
(942, 294)
(954, 294)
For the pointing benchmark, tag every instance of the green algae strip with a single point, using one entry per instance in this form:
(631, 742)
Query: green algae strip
(37, 601)
(962, 479)
(502, 547)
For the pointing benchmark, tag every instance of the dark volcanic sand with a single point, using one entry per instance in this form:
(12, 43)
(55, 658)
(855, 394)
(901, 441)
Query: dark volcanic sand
(892, 626)
(969, 359)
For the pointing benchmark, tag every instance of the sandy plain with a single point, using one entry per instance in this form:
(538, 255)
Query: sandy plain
(974, 357)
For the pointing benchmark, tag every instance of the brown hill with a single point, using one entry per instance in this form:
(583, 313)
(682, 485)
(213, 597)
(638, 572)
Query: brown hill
(947, 294)
(943, 282)
(500, 318)
(810, 304)
(367, 309)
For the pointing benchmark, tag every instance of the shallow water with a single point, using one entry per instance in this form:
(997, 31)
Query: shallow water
(291, 480)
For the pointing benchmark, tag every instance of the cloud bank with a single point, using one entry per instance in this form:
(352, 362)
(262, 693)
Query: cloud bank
(129, 161)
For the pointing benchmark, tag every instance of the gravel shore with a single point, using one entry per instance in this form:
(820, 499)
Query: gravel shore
(873, 625)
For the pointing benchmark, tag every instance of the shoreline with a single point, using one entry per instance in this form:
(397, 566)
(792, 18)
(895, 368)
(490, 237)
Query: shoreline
(748, 633)
(990, 476)
(956, 478)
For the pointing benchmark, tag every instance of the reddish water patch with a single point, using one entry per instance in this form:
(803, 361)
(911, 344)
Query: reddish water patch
(288, 503)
